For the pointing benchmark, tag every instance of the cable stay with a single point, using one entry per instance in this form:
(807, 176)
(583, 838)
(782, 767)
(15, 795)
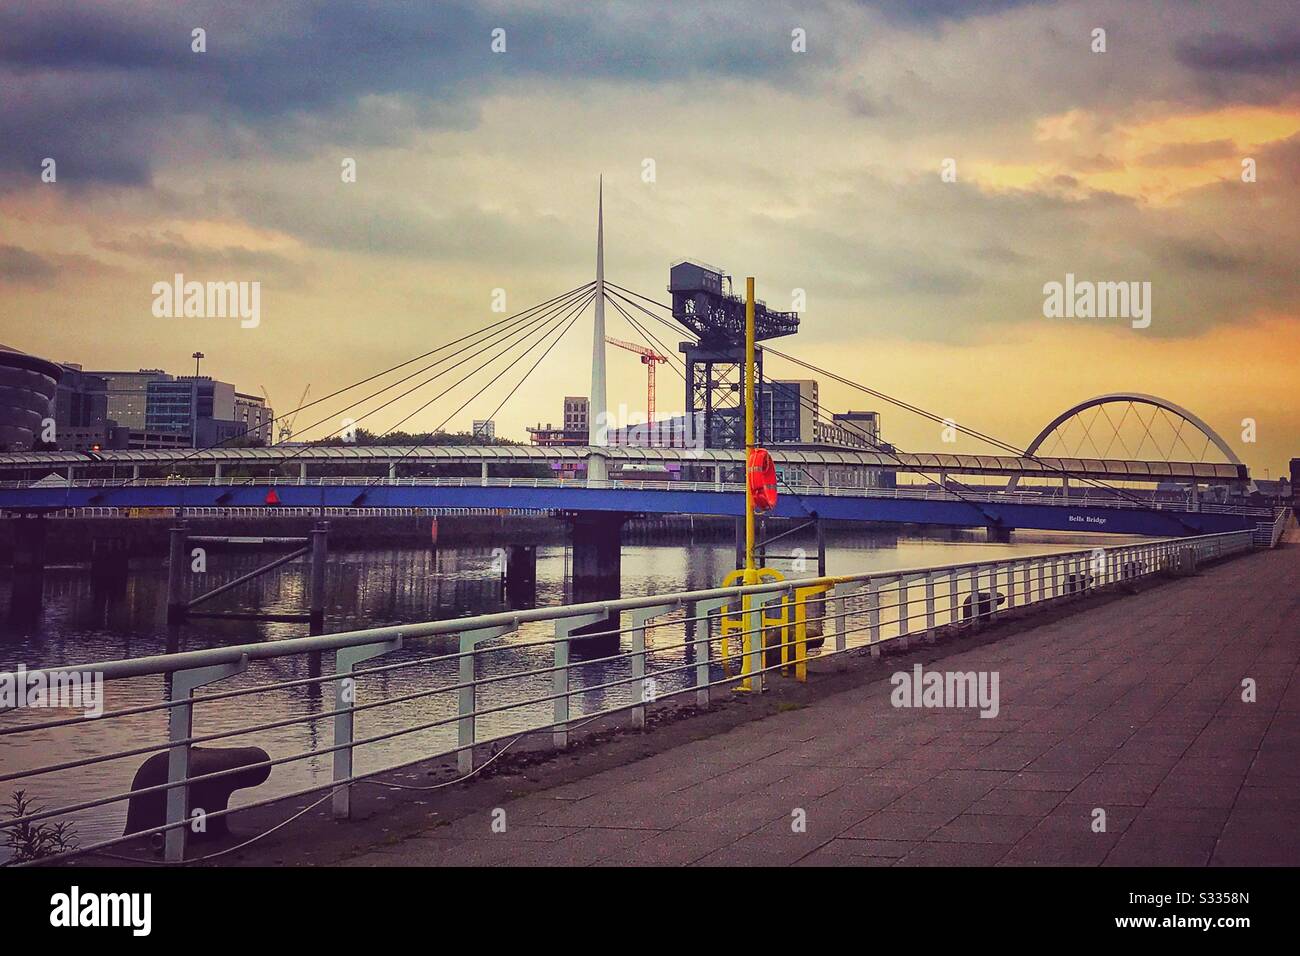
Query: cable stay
(899, 403)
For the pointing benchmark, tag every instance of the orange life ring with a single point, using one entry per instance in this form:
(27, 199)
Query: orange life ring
(762, 479)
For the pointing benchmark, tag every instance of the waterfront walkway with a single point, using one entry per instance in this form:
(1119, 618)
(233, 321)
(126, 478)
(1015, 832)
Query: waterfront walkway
(1134, 707)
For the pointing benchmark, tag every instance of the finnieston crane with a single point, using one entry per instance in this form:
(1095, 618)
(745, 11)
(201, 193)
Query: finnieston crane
(649, 358)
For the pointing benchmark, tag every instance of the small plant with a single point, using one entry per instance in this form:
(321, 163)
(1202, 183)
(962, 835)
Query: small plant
(34, 841)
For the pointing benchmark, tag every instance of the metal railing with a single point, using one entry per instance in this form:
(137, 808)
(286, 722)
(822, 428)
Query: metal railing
(1269, 533)
(282, 511)
(855, 612)
(921, 493)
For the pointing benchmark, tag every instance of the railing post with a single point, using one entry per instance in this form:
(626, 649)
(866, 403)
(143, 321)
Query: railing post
(1011, 586)
(180, 727)
(954, 585)
(873, 616)
(841, 619)
(641, 617)
(703, 610)
(929, 607)
(1042, 582)
(560, 675)
(757, 640)
(900, 590)
(345, 699)
(993, 591)
(467, 698)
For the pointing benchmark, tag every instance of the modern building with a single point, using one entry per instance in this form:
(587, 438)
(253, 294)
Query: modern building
(82, 400)
(788, 411)
(576, 428)
(127, 394)
(28, 386)
(485, 429)
(855, 429)
(254, 417)
(206, 411)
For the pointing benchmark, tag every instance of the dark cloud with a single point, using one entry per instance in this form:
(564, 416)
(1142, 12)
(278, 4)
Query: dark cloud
(1201, 255)
(111, 92)
(1190, 154)
(926, 11)
(20, 265)
(1228, 53)
(170, 251)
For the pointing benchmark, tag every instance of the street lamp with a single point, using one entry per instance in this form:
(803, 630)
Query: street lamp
(197, 356)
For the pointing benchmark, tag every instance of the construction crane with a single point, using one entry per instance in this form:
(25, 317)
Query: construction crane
(285, 431)
(649, 358)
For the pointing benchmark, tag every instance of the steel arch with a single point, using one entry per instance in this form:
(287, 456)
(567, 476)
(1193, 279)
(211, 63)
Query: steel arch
(1140, 398)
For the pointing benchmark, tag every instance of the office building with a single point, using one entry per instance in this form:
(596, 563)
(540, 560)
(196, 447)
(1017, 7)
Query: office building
(788, 411)
(127, 394)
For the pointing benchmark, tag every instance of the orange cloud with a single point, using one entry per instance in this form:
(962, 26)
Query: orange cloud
(1138, 154)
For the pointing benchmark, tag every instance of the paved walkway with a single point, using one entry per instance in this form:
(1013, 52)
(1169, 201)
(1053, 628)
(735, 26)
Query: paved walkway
(1133, 707)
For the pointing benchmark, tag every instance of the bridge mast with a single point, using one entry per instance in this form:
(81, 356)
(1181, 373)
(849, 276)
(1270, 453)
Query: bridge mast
(597, 414)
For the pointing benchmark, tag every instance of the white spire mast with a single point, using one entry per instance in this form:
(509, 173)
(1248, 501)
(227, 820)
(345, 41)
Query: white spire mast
(597, 419)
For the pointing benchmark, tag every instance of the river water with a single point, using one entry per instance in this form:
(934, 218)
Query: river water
(80, 624)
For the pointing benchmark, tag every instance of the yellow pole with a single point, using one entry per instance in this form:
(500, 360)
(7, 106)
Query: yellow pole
(752, 630)
(751, 381)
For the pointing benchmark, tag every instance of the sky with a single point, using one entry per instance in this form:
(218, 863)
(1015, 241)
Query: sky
(916, 170)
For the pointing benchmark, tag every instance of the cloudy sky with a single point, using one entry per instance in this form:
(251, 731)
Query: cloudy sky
(820, 170)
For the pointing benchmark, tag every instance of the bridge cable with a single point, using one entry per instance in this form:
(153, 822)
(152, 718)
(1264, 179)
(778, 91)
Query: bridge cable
(1018, 452)
(200, 452)
(892, 454)
(570, 316)
(527, 328)
(647, 336)
(494, 339)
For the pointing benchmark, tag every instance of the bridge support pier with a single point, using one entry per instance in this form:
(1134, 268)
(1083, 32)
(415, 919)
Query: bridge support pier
(597, 572)
(109, 564)
(319, 558)
(520, 575)
(177, 566)
(29, 567)
(1000, 534)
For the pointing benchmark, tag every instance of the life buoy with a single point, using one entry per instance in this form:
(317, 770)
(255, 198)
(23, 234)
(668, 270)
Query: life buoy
(762, 479)
(272, 498)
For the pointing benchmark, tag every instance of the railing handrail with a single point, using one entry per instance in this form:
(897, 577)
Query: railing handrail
(180, 660)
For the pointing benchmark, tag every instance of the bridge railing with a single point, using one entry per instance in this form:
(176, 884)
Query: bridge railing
(1050, 496)
(454, 688)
